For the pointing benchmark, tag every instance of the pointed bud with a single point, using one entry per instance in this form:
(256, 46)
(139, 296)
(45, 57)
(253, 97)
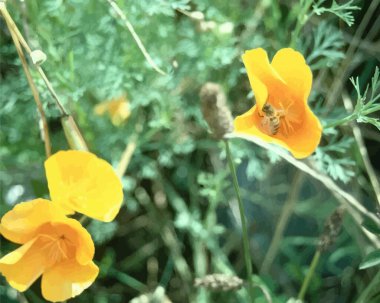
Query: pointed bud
(331, 230)
(215, 110)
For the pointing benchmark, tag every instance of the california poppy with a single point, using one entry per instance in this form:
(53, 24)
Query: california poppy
(117, 109)
(81, 182)
(281, 114)
(54, 246)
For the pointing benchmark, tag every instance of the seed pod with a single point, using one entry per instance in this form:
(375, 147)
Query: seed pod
(331, 230)
(219, 282)
(215, 110)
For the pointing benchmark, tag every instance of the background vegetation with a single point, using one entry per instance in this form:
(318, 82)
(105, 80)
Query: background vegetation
(180, 219)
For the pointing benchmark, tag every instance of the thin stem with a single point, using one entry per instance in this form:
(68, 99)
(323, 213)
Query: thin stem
(127, 280)
(373, 285)
(126, 157)
(341, 121)
(45, 128)
(309, 275)
(286, 212)
(139, 43)
(363, 151)
(356, 209)
(247, 255)
(13, 28)
(346, 65)
(301, 20)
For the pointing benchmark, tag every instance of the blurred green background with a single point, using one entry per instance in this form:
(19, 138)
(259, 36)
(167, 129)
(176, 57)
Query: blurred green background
(180, 219)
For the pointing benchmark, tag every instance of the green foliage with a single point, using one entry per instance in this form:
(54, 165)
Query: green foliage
(332, 159)
(179, 219)
(372, 259)
(366, 106)
(342, 10)
(102, 232)
(325, 46)
(371, 226)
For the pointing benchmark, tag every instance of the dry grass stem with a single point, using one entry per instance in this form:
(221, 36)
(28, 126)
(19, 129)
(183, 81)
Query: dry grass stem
(139, 43)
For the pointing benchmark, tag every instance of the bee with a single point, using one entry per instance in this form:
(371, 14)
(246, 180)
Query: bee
(271, 119)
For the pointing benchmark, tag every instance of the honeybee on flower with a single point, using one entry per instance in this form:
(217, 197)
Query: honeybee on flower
(281, 114)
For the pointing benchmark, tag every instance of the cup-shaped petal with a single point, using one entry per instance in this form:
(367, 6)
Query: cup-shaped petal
(81, 182)
(23, 266)
(61, 250)
(281, 114)
(67, 280)
(21, 223)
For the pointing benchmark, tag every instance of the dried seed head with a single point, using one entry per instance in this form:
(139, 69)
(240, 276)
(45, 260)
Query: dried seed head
(331, 230)
(215, 110)
(219, 282)
(158, 296)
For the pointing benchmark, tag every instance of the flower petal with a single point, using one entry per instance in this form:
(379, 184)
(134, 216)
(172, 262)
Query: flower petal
(292, 68)
(67, 280)
(23, 266)
(262, 77)
(245, 121)
(84, 183)
(20, 224)
(82, 241)
(306, 139)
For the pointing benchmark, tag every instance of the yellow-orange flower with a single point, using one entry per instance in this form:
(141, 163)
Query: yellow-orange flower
(81, 182)
(117, 109)
(54, 246)
(281, 114)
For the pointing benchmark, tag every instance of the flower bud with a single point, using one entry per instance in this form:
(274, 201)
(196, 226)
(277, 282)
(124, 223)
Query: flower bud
(331, 230)
(215, 110)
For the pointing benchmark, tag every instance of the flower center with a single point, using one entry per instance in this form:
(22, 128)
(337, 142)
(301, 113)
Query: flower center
(57, 247)
(275, 120)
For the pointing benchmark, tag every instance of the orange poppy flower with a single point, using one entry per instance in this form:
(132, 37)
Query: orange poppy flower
(54, 246)
(117, 109)
(281, 114)
(81, 182)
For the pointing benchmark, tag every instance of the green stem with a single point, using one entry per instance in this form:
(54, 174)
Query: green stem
(247, 255)
(309, 275)
(127, 280)
(301, 20)
(375, 284)
(341, 121)
(371, 110)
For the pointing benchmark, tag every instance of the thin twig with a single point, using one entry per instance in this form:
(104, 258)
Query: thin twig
(45, 128)
(341, 74)
(139, 43)
(363, 151)
(126, 157)
(13, 27)
(358, 211)
(374, 285)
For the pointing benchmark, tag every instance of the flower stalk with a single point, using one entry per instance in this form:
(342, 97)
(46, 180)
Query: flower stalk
(301, 21)
(246, 250)
(310, 274)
